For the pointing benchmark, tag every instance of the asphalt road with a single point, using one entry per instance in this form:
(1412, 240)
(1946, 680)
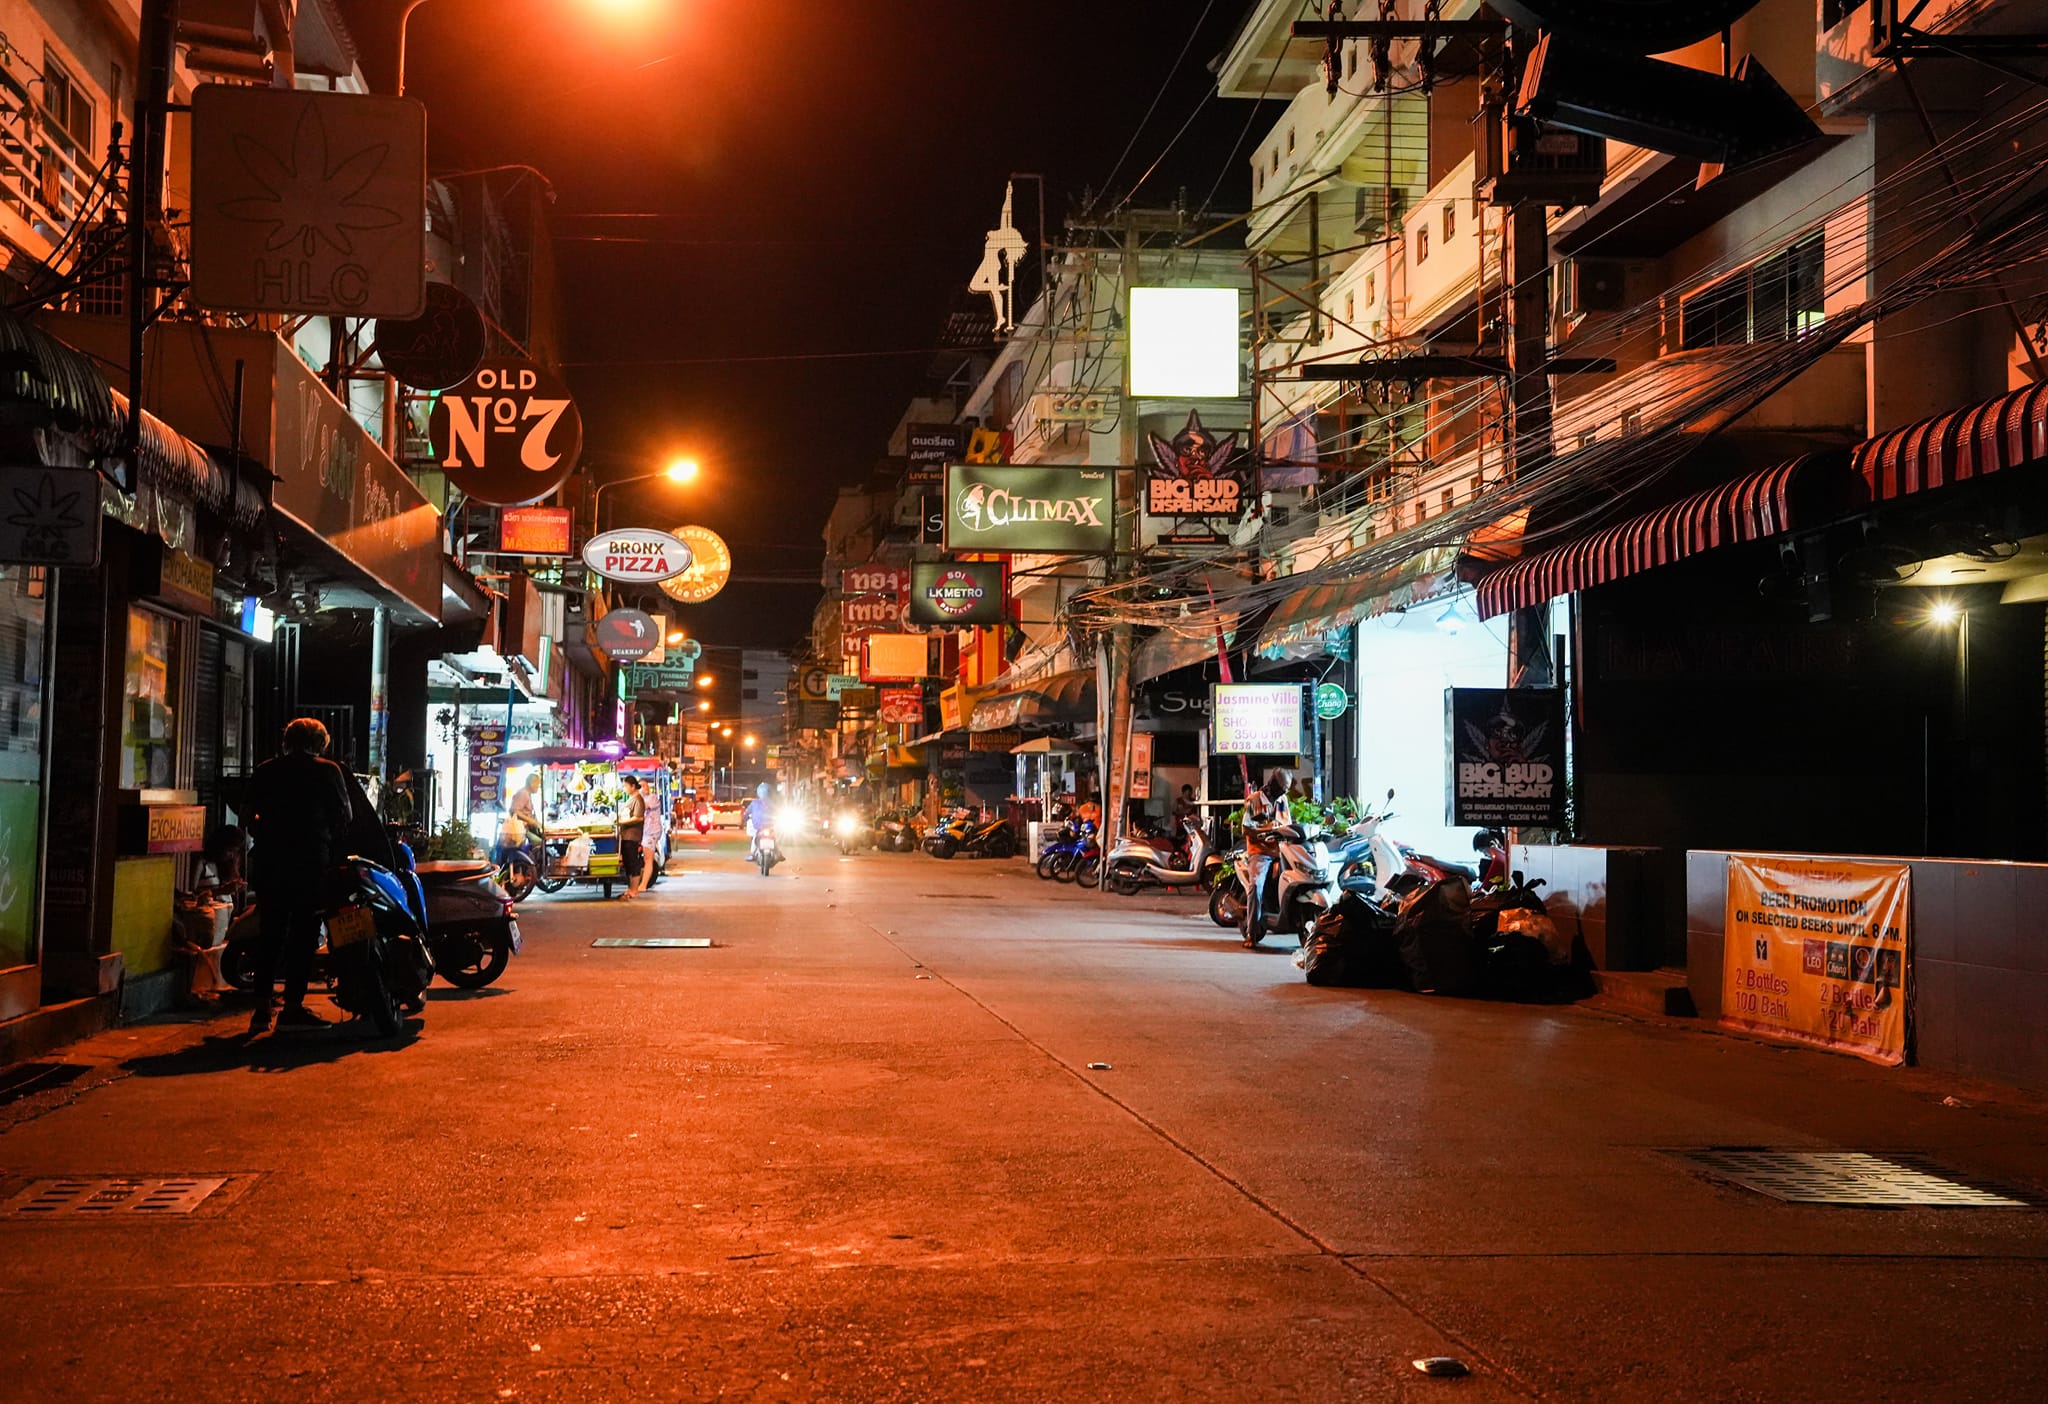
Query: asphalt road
(856, 1151)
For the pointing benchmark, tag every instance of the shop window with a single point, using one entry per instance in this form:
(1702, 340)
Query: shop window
(21, 752)
(1371, 289)
(1290, 141)
(149, 721)
(1422, 244)
(1450, 220)
(1276, 160)
(1447, 499)
(1350, 306)
(1776, 299)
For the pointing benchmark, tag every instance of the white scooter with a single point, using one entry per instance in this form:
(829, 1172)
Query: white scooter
(1301, 883)
(1137, 863)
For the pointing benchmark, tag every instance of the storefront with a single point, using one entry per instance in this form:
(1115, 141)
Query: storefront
(24, 596)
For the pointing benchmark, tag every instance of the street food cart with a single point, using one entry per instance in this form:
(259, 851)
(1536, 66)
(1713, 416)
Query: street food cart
(580, 791)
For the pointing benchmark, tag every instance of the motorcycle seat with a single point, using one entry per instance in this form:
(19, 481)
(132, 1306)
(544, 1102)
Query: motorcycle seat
(454, 870)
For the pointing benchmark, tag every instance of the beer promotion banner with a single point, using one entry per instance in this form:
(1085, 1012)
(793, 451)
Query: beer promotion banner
(1816, 953)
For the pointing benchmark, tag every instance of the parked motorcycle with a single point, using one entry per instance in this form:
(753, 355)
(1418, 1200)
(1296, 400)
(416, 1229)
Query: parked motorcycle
(1058, 852)
(899, 831)
(1142, 861)
(961, 834)
(472, 932)
(380, 962)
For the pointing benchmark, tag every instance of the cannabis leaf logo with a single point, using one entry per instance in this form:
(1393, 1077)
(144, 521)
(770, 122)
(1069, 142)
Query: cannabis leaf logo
(306, 200)
(45, 516)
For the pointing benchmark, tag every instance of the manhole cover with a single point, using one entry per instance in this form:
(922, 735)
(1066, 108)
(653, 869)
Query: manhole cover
(657, 943)
(1853, 1178)
(958, 896)
(123, 1196)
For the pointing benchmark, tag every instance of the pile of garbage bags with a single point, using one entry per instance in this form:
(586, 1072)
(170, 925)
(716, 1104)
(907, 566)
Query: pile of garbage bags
(1498, 945)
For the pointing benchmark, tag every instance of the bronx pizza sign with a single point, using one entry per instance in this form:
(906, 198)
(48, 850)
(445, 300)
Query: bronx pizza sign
(509, 435)
(634, 554)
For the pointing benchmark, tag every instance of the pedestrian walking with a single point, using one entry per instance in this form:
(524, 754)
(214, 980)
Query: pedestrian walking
(299, 814)
(631, 817)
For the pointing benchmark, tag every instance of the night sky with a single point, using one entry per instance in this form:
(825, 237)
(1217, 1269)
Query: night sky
(826, 174)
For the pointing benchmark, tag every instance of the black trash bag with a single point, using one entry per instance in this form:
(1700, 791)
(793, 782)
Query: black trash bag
(1352, 944)
(1435, 940)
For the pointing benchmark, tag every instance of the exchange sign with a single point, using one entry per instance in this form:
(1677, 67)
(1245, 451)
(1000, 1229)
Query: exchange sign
(1256, 719)
(1003, 507)
(509, 435)
(970, 592)
(636, 556)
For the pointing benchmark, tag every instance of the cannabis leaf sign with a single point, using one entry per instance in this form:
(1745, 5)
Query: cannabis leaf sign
(309, 196)
(308, 202)
(46, 516)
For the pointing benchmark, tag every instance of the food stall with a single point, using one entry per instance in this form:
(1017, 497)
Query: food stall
(580, 791)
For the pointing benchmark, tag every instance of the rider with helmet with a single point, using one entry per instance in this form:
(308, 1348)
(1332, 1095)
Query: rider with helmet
(758, 818)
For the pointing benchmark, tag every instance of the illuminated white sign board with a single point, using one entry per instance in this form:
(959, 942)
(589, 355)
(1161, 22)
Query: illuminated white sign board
(1256, 719)
(1184, 343)
(636, 555)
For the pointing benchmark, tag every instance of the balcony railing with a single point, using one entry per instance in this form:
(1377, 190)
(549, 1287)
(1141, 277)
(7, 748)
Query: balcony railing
(47, 180)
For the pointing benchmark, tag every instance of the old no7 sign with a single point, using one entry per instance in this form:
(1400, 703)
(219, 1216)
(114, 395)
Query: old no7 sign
(308, 202)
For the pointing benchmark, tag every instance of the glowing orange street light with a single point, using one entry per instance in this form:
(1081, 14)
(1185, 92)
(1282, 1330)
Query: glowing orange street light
(747, 741)
(705, 705)
(704, 681)
(682, 470)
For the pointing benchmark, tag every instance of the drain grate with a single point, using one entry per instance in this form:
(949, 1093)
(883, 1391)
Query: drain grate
(657, 943)
(122, 1196)
(1855, 1179)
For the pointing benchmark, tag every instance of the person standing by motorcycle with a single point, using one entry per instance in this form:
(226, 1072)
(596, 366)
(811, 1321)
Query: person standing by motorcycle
(758, 817)
(1265, 812)
(299, 817)
(631, 816)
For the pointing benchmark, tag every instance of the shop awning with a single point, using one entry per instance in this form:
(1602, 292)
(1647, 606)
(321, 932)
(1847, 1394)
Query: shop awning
(932, 738)
(1173, 649)
(1763, 504)
(1068, 696)
(1301, 620)
(1951, 448)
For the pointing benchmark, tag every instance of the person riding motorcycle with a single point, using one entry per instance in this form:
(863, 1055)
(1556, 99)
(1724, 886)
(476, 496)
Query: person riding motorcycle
(1265, 813)
(758, 817)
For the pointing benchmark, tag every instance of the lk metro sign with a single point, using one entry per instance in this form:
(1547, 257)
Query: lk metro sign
(1003, 507)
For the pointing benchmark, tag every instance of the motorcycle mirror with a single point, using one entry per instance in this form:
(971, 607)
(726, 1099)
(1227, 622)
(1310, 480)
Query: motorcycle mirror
(405, 859)
(1390, 794)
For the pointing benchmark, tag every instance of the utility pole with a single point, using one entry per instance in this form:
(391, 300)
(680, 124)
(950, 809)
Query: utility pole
(1527, 257)
(1114, 739)
(146, 202)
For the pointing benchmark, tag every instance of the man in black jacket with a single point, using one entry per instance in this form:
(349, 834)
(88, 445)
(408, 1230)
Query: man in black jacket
(299, 817)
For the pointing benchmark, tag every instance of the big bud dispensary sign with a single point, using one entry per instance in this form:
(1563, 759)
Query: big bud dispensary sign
(1002, 507)
(509, 435)
(636, 555)
(1506, 756)
(1256, 719)
(969, 592)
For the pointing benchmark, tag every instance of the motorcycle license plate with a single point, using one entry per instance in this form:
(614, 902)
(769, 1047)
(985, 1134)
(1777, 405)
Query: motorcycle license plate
(348, 926)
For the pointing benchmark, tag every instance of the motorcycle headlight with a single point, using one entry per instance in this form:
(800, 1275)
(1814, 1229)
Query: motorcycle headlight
(847, 825)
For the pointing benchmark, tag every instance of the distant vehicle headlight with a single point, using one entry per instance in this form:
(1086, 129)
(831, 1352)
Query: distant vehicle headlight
(846, 825)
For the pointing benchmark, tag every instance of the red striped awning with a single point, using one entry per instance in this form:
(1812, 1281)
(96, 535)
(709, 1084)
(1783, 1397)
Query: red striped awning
(1955, 447)
(1751, 508)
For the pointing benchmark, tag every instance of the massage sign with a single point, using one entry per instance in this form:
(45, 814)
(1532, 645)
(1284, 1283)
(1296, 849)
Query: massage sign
(509, 435)
(635, 555)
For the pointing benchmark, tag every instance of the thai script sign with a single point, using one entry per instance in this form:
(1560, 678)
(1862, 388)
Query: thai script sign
(969, 592)
(1001, 507)
(902, 706)
(865, 614)
(1506, 757)
(874, 580)
(1817, 951)
(534, 531)
(928, 448)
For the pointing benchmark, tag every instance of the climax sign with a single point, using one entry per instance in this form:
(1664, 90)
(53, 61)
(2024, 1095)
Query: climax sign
(633, 554)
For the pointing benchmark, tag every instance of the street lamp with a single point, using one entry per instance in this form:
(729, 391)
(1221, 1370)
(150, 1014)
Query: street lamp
(405, 20)
(682, 470)
(705, 705)
(704, 681)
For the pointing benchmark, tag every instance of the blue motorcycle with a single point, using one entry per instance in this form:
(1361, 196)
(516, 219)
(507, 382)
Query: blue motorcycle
(1063, 853)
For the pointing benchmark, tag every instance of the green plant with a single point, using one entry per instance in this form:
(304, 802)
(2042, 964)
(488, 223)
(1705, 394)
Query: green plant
(452, 840)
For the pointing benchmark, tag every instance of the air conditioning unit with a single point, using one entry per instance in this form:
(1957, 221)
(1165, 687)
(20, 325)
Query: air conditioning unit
(1588, 285)
(1521, 159)
(1376, 208)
